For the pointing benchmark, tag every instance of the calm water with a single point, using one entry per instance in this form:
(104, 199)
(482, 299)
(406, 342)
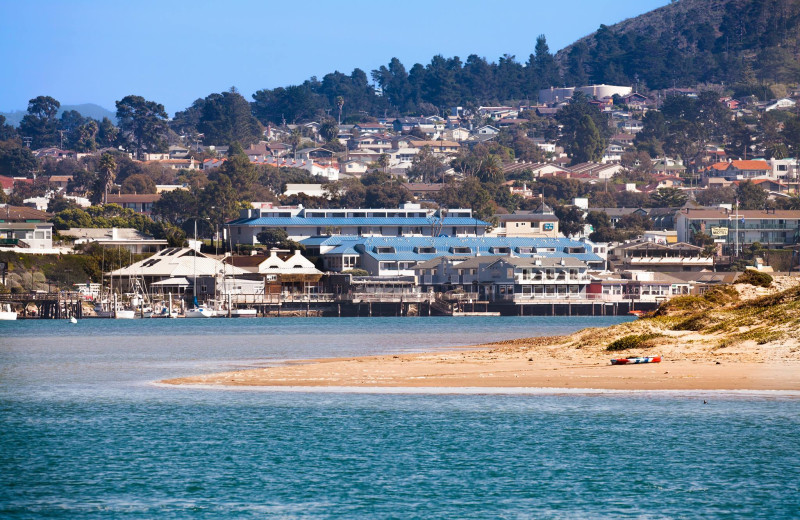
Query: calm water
(84, 433)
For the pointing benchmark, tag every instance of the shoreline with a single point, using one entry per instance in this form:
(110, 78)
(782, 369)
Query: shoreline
(733, 338)
(500, 368)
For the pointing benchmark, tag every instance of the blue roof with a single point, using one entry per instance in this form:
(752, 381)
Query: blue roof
(356, 221)
(405, 247)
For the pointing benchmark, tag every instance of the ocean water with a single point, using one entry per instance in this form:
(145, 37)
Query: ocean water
(84, 432)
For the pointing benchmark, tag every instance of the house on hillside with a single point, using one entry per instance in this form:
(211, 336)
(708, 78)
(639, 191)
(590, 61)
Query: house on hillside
(140, 203)
(739, 170)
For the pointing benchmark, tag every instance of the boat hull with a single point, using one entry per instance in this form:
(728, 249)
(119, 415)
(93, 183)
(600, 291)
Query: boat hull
(636, 360)
(200, 312)
(8, 315)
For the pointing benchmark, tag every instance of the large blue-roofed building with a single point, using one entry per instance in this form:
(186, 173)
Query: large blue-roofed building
(410, 220)
(393, 256)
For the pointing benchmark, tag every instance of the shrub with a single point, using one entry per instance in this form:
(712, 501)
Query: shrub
(632, 341)
(721, 295)
(756, 278)
(682, 304)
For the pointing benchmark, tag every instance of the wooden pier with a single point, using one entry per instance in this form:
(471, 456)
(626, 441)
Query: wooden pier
(49, 306)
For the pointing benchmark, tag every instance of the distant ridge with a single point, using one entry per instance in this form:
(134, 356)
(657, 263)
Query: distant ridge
(741, 43)
(86, 110)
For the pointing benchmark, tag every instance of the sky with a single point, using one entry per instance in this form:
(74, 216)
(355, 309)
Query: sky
(176, 51)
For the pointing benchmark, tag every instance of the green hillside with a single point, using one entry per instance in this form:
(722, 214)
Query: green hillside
(742, 43)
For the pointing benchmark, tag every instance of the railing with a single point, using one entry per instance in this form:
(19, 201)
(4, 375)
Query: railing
(279, 299)
(35, 296)
(388, 297)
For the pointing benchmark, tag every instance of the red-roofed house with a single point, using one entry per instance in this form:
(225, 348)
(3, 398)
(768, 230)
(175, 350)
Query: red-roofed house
(739, 170)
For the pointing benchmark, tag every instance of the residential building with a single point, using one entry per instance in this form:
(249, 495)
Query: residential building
(125, 238)
(739, 228)
(739, 170)
(178, 269)
(28, 236)
(312, 190)
(282, 272)
(408, 220)
(140, 203)
(397, 256)
(506, 279)
(540, 223)
(660, 257)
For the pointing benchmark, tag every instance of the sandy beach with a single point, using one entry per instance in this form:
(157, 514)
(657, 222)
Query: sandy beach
(737, 356)
(514, 367)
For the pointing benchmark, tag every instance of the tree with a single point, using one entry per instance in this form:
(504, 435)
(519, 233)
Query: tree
(226, 118)
(139, 183)
(383, 161)
(143, 124)
(16, 160)
(668, 198)
(7, 132)
(750, 195)
(545, 68)
(276, 238)
(386, 196)
(40, 123)
(107, 133)
(339, 105)
(176, 206)
(328, 130)
(467, 194)
(84, 138)
(107, 167)
(425, 166)
(584, 129)
(588, 145)
(716, 196)
(570, 220)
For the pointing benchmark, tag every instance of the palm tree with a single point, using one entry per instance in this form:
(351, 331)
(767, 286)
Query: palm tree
(107, 166)
(294, 140)
(383, 161)
(340, 104)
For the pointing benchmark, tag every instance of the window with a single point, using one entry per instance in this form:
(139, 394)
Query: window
(459, 250)
(425, 250)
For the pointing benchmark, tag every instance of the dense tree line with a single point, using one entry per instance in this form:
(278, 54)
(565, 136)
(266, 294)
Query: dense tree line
(743, 43)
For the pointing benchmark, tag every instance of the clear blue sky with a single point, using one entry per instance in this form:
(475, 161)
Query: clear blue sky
(173, 52)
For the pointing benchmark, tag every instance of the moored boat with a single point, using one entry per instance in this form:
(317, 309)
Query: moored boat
(200, 312)
(636, 360)
(6, 313)
(243, 313)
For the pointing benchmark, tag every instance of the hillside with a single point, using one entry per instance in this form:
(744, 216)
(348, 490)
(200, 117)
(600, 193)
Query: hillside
(738, 42)
(85, 109)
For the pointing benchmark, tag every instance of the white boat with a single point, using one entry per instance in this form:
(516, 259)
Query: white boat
(124, 314)
(6, 313)
(243, 313)
(200, 312)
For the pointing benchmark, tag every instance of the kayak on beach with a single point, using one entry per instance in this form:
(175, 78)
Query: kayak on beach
(636, 360)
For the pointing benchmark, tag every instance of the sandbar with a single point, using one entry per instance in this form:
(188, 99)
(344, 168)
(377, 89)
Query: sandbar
(518, 364)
